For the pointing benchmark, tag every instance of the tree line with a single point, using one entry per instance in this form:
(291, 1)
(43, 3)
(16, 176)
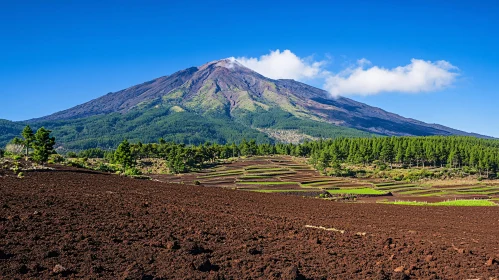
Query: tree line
(424, 151)
(435, 151)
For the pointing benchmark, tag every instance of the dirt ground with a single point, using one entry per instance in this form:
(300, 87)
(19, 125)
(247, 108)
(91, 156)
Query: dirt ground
(82, 224)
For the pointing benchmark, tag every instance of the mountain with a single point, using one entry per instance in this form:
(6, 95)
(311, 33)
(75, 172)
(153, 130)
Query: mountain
(223, 101)
(9, 130)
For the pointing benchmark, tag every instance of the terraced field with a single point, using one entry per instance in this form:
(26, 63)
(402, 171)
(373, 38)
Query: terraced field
(275, 174)
(472, 191)
(293, 176)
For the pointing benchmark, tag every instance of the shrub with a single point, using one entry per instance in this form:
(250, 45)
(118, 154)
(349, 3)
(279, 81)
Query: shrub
(2, 153)
(16, 168)
(77, 164)
(398, 177)
(197, 183)
(380, 165)
(92, 153)
(20, 175)
(418, 174)
(132, 172)
(55, 158)
(71, 155)
(15, 157)
(102, 167)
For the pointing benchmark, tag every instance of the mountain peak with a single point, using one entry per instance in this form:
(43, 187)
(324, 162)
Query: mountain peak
(229, 63)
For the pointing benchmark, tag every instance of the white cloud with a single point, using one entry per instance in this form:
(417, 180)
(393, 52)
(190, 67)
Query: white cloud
(361, 79)
(284, 65)
(418, 76)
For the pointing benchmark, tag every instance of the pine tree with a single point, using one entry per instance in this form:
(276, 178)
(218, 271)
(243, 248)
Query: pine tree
(43, 145)
(387, 154)
(28, 139)
(123, 155)
(244, 148)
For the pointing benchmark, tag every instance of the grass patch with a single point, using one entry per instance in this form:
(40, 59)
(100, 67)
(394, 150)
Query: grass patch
(324, 184)
(461, 202)
(395, 187)
(478, 189)
(254, 177)
(265, 183)
(315, 182)
(435, 194)
(419, 191)
(277, 173)
(266, 170)
(356, 191)
(221, 175)
(386, 184)
(262, 166)
(275, 191)
(223, 171)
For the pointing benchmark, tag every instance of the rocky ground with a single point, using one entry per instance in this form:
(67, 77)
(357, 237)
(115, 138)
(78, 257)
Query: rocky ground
(77, 223)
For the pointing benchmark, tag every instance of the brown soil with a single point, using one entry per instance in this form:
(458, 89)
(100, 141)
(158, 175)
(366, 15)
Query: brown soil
(76, 223)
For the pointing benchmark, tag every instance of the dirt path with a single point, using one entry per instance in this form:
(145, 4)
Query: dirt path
(78, 223)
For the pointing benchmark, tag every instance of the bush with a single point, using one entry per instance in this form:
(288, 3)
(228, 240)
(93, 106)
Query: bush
(20, 175)
(398, 177)
(71, 155)
(55, 158)
(106, 168)
(77, 164)
(197, 183)
(380, 165)
(2, 153)
(92, 153)
(418, 174)
(132, 172)
(16, 156)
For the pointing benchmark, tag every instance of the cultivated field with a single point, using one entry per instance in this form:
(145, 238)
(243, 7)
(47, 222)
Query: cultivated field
(82, 224)
(289, 175)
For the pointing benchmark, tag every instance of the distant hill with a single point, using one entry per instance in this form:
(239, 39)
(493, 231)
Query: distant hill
(9, 130)
(223, 101)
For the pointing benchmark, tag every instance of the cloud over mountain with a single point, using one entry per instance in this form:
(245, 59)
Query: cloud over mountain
(418, 76)
(361, 79)
(284, 65)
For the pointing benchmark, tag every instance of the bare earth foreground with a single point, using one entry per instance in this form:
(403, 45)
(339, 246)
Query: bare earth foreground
(77, 223)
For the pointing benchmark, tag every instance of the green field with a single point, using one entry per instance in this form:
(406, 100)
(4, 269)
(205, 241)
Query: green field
(446, 203)
(264, 183)
(367, 191)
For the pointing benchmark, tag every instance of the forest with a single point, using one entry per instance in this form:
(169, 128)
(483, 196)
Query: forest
(482, 155)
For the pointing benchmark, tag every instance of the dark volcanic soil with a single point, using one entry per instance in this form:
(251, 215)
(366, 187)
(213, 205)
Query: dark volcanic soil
(75, 223)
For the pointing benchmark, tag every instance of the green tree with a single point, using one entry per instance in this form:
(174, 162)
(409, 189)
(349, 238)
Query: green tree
(28, 139)
(43, 145)
(387, 153)
(123, 155)
(324, 161)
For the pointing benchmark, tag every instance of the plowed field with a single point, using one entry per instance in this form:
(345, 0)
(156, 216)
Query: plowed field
(81, 224)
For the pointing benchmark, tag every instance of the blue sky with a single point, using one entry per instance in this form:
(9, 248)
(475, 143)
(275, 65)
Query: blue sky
(58, 54)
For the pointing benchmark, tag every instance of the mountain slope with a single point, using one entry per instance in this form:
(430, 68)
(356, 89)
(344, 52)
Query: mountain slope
(224, 101)
(9, 130)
